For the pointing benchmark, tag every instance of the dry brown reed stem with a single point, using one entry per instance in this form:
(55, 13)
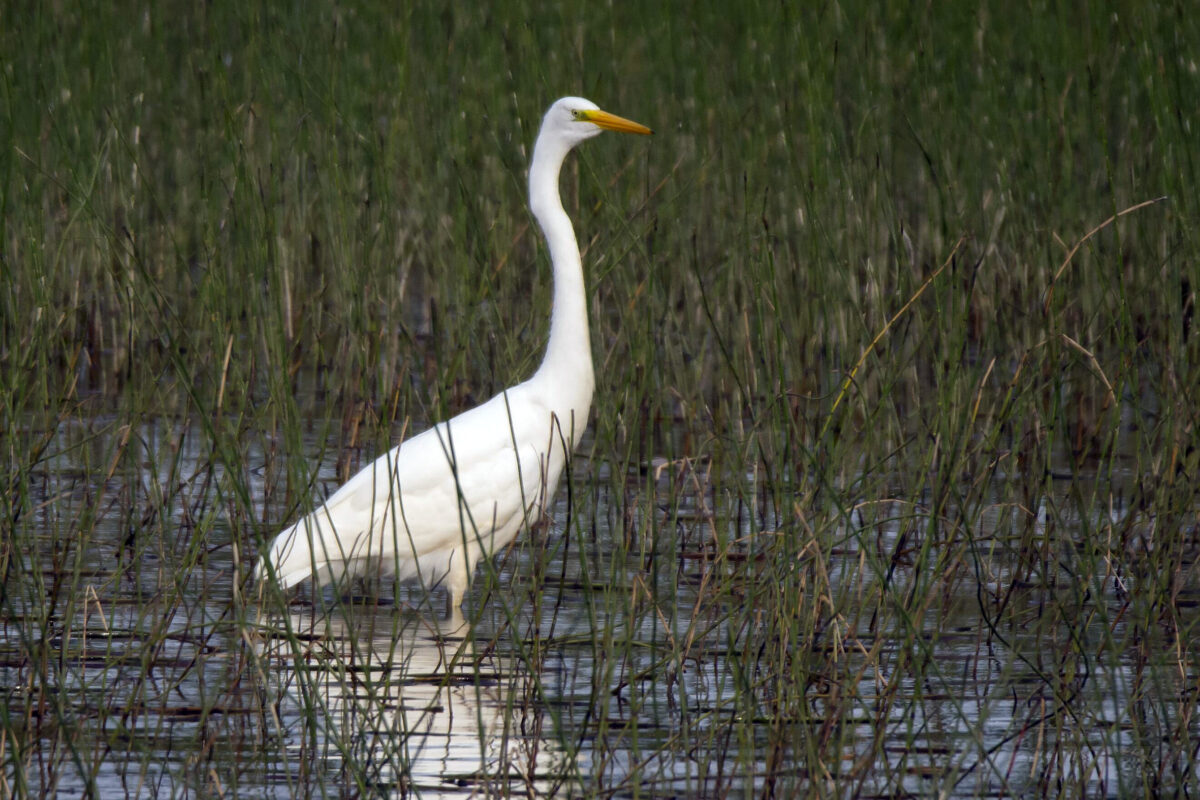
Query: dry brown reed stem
(1071, 255)
(1111, 399)
(883, 331)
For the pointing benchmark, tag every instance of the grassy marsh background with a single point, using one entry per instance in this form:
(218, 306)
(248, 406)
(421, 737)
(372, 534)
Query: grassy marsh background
(245, 247)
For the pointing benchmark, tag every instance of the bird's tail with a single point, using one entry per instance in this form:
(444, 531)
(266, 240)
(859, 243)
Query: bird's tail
(290, 554)
(312, 548)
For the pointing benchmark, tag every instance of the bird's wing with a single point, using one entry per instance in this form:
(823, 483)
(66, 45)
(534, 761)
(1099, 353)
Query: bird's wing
(476, 474)
(485, 457)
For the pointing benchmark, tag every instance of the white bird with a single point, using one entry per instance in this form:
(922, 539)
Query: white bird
(428, 509)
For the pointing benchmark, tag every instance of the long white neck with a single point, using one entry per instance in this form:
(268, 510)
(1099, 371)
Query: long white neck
(567, 366)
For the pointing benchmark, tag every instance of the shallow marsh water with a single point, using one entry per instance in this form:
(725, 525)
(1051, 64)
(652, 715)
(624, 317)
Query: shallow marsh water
(133, 664)
(893, 484)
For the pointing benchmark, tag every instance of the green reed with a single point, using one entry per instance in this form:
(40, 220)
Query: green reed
(893, 324)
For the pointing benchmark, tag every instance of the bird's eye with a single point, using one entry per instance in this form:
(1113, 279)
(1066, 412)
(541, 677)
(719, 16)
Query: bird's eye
(577, 115)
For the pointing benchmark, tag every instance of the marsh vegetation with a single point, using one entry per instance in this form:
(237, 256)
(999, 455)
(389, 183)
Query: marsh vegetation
(891, 486)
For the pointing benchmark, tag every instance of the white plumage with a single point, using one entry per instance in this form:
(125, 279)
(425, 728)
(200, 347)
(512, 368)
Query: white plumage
(431, 507)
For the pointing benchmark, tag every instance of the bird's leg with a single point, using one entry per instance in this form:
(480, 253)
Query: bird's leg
(454, 599)
(454, 624)
(458, 579)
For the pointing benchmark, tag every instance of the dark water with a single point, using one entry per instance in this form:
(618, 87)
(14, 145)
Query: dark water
(144, 666)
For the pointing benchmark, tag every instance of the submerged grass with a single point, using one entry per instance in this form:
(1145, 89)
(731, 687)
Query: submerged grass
(892, 481)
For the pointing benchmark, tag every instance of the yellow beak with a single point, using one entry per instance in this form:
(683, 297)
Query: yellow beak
(611, 122)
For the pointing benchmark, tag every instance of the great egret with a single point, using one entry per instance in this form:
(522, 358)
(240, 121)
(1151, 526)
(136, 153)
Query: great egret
(431, 507)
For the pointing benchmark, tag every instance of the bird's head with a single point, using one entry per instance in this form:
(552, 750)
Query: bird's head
(573, 120)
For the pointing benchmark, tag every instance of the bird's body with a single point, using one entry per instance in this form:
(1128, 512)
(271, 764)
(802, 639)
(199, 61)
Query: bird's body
(428, 509)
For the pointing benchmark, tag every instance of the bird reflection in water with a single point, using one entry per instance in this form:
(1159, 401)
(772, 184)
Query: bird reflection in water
(387, 704)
